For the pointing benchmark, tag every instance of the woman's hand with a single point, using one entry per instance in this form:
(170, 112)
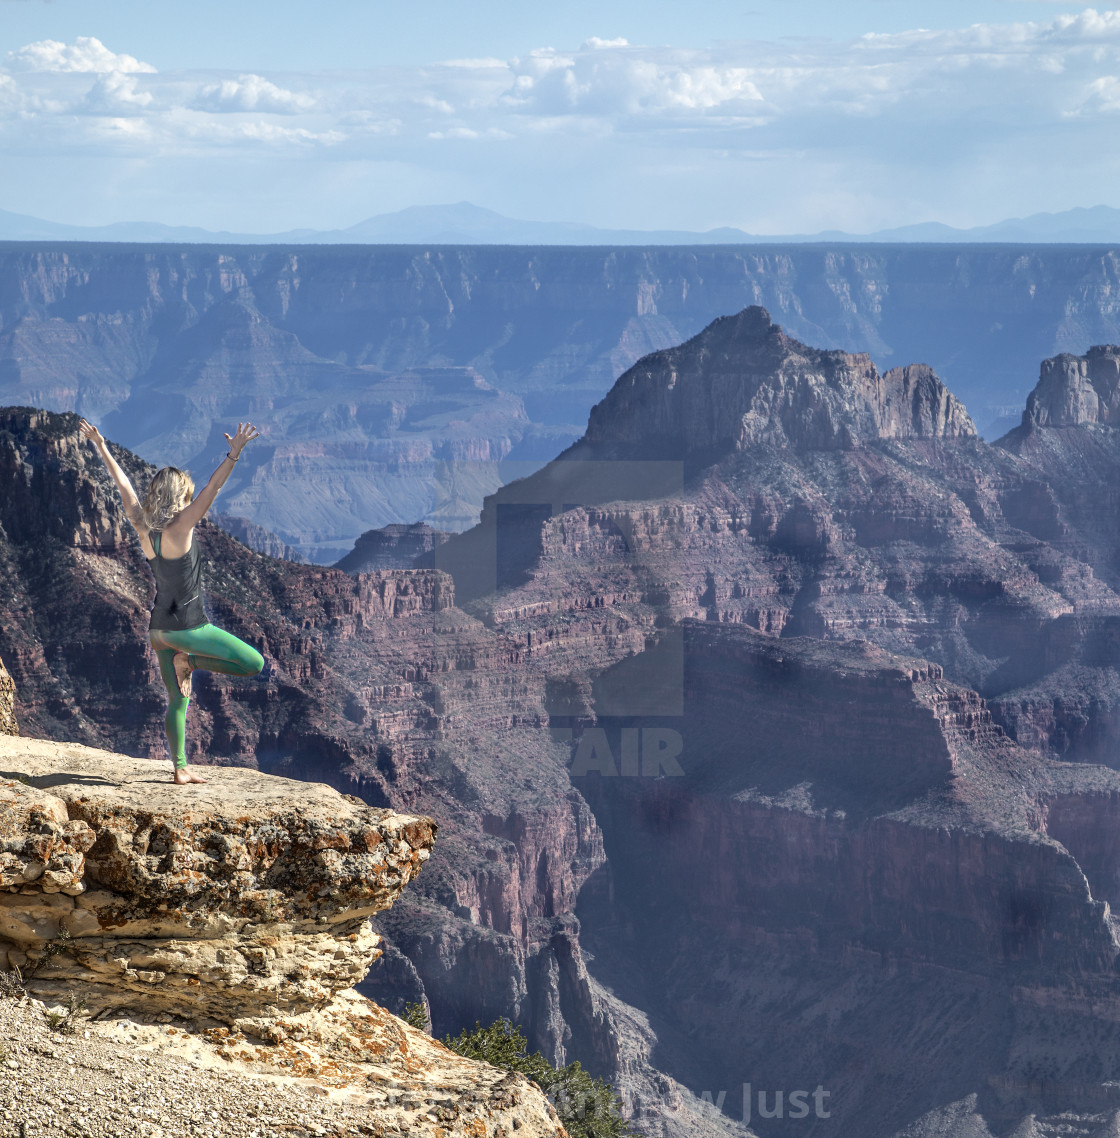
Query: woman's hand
(89, 431)
(196, 511)
(246, 432)
(128, 494)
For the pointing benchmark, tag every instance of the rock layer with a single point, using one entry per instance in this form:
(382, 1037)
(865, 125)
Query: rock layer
(860, 863)
(244, 896)
(8, 725)
(392, 547)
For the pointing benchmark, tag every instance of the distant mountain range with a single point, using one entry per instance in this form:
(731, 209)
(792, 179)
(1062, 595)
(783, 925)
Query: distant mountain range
(467, 224)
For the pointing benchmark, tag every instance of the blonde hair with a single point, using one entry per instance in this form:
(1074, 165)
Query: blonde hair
(171, 490)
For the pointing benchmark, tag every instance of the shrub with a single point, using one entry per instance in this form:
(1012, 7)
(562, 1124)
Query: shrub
(11, 985)
(65, 1018)
(588, 1107)
(415, 1016)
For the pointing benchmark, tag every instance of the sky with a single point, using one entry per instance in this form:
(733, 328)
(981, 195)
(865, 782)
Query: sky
(774, 116)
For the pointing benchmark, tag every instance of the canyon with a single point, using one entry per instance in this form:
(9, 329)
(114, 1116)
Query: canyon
(770, 730)
(402, 384)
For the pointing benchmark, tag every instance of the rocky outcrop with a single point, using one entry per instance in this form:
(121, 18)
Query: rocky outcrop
(238, 910)
(8, 725)
(742, 383)
(393, 547)
(1074, 391)
(251, 895)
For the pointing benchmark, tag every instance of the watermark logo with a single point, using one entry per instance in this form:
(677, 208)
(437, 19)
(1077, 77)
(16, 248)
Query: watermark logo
(650, 751)
(758, 1104)
(780, 1104)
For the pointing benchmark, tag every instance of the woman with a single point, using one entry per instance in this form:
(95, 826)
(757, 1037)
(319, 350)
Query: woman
(179, 631)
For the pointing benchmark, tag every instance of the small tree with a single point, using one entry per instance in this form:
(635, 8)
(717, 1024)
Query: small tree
(415, 1016)
(588, 1107)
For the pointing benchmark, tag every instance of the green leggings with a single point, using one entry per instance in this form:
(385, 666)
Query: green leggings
(207, 647)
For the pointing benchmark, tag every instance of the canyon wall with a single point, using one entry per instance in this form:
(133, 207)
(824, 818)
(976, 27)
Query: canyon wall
(403, 384)
(376, 684)
(769, 730)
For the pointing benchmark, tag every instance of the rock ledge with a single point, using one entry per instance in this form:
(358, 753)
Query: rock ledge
(238, 899)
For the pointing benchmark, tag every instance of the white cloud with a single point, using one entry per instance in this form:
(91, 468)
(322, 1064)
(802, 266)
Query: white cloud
(85, 54)
(273, 134)
(921, 108)
(476, 64)
(462, 132)
(251, 93)
(627, 84)
(1090, 24)
(1104, 93)
(116, 94)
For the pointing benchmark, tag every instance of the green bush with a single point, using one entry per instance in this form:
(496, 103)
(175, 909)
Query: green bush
(588, 1107)
(415, 1016)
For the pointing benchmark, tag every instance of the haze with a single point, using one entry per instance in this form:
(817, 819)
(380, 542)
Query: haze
(772, 117)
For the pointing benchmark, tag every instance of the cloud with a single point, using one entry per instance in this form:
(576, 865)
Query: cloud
(616, 83)
(489, 62)
(262, 131)
(918, 107)
(116, 94)
(1104, 93)
(85, 54)
(251, 93)
(465, 133)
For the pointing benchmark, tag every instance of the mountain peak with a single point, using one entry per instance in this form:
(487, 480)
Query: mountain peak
(743, 381)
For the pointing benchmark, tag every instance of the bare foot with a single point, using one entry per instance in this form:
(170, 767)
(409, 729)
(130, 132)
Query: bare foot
(183, 669)
(183, 776)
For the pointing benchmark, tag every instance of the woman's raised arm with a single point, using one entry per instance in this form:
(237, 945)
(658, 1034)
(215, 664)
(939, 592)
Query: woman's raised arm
(128, 494)
(196, 511)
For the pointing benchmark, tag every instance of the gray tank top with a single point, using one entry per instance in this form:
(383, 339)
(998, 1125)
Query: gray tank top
(178, 589)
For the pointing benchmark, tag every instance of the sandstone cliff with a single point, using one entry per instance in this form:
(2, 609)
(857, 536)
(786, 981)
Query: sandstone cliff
(872, 889)
(254, 536)
(996, 565)
(1075, 391)
(239, 912)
